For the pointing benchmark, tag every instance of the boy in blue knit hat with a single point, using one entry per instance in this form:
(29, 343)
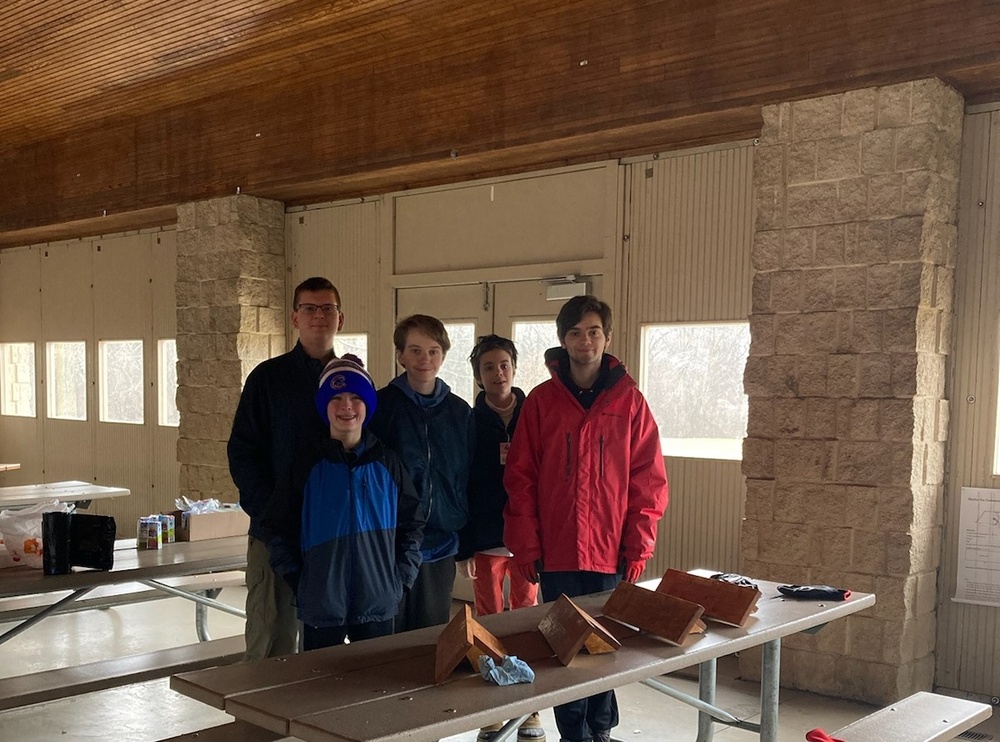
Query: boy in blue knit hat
(348, 543)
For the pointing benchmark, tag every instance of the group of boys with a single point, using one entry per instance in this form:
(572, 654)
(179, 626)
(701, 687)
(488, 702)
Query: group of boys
(356, 497)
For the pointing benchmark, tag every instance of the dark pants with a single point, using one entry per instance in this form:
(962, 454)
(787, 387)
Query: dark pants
(429, 601)
(317, 637)
(579, 720)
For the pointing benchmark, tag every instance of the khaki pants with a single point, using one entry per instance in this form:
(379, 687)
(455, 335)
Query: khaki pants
(272, 626)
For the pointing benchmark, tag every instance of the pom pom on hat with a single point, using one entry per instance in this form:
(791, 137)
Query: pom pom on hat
(345, 376)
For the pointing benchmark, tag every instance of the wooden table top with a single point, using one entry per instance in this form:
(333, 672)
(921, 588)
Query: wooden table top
(20, 495)
(382, 690)
(180, 558)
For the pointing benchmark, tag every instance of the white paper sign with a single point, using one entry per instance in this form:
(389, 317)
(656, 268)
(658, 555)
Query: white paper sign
(979, 547)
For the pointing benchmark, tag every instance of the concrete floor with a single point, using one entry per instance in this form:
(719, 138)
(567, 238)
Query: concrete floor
(151, 711)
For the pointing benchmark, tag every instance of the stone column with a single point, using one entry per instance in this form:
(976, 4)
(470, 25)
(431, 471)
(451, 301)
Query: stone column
(856, 210)
(230, 317)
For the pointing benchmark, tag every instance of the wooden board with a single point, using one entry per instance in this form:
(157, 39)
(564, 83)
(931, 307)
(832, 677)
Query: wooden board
(464, 637)
(665, 616)
(723, 602)
(568, 629)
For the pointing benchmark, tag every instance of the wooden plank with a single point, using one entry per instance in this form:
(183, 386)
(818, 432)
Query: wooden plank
(568, 629)
(722, 601)
(922, 717)
(49, 685)
(236, 731)
(670, 618)
(464, 638)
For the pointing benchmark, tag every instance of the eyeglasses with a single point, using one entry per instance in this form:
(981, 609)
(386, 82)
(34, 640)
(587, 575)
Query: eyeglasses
(327, 309)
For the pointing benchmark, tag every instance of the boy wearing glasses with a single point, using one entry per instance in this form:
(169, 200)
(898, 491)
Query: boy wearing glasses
(276, 418)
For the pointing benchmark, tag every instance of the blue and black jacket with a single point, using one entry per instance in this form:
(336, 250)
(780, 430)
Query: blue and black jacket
(434, 436)
(349, 540)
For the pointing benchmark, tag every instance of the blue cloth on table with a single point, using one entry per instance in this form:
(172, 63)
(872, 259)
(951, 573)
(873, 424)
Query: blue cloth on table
(510, 671)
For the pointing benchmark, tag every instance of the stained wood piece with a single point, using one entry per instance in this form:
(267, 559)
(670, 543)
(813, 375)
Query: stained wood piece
(568, 629)
(723, 602)
(462, 638)
(662, 615)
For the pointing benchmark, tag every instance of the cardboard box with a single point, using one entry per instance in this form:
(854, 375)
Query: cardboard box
(232, 521)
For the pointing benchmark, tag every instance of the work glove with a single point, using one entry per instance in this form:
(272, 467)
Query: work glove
(528, 570)
(633, 570)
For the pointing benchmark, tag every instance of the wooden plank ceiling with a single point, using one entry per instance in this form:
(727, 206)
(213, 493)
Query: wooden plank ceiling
(112, 112)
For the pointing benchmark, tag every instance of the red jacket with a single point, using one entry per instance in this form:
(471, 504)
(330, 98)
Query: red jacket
(586, 488)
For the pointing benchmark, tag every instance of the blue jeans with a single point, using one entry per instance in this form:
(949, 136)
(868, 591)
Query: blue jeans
(577, 721)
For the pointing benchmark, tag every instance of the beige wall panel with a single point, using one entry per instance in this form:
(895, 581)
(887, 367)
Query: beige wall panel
(165, 469)
(701, 527)
(969, 635)
(689, 221)
(123, 310)
(527, 220)
(340, 242)
(67, 314)
(21, 322)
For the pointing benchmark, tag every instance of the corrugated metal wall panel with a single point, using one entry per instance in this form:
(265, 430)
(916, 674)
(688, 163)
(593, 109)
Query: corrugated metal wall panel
(702, 524)
(689, 221)
(67, 315)
(165, 467)
(342, 243)
(969, 635)
(21, 322)
(123, 310)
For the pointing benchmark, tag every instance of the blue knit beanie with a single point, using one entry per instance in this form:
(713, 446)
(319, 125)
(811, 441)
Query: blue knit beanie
(343, 376)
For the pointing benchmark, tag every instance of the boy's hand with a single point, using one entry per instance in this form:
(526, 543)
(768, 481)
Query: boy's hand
(633, 570)
(528, 570)
(467, 568)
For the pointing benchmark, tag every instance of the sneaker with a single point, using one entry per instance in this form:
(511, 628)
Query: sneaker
(531, 730)
(487, 733)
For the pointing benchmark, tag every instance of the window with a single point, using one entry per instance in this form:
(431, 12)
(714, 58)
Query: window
(120, 389)
(456, 371)
(356, 343)
(17, 379)
(66, 376)
(692, 376)
(166, 402)
(532, 339)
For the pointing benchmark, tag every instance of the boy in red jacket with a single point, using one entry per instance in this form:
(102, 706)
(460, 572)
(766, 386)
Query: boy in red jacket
(586, 483)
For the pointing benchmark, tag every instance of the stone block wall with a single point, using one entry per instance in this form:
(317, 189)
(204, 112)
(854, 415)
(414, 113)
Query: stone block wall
(231, 311)
(855, 234)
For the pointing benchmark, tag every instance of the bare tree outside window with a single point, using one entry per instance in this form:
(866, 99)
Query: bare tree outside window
(121, 381)
(456, 371)
(66, 377)
(692, 377)
(167, 412)
(532, 339)
(354, 343)
(17, 379)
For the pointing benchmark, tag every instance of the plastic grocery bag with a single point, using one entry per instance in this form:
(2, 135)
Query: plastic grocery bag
(22, 531)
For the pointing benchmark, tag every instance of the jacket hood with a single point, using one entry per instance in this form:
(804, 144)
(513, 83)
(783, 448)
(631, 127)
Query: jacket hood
(441, 391)
(557, 362)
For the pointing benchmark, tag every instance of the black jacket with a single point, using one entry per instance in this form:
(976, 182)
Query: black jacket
(434, 439)
(487, 495)
(275, 418)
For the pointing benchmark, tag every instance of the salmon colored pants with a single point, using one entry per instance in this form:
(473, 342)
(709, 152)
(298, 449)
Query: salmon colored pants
(488, 585)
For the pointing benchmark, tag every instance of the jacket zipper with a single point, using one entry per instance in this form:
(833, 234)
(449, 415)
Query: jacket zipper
(601, 461)
(427, 475)
(569, 450)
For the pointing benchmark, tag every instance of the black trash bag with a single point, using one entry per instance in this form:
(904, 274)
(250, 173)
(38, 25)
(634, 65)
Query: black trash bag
(77, 540)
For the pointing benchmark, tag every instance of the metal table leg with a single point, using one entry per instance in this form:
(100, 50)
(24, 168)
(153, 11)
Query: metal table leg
(707, 675)
(770, 675)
